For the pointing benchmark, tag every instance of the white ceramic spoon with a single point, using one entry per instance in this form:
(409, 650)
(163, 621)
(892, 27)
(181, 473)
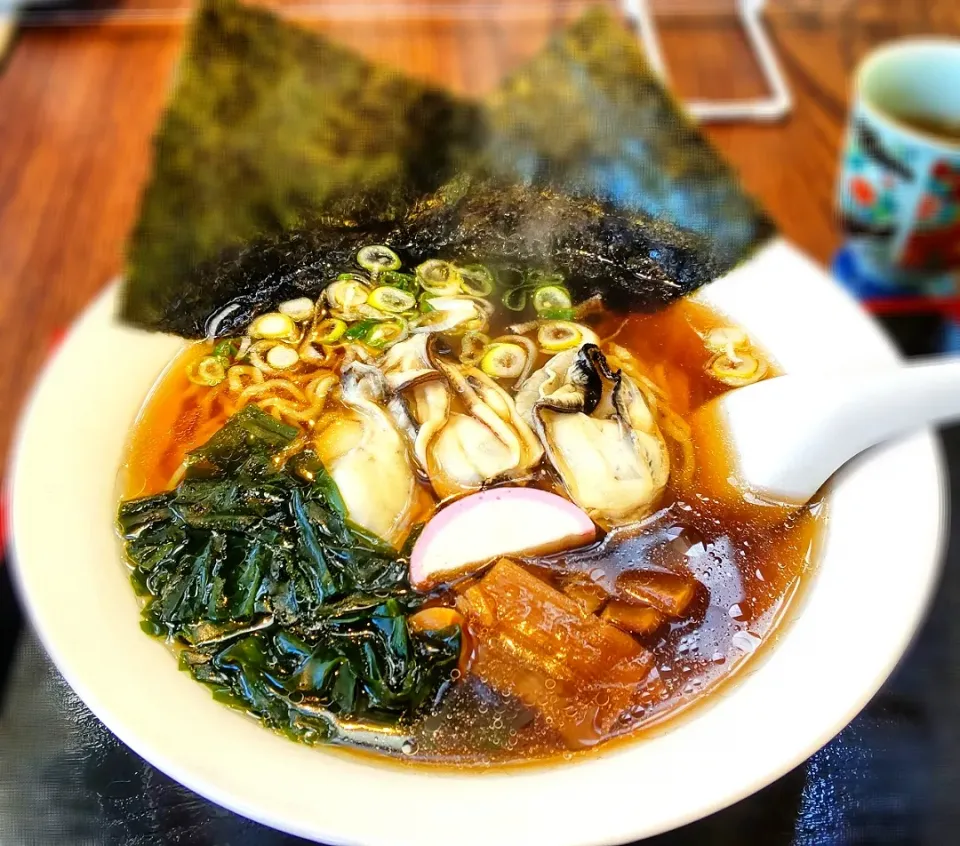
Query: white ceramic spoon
(791, 433)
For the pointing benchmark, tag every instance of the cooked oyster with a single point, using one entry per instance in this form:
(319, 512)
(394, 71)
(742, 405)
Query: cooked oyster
(487, 442)
(599, 434)
(407, 367)
(367, 456)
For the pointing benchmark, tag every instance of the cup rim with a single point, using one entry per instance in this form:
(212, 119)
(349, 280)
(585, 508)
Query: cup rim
(882, 116)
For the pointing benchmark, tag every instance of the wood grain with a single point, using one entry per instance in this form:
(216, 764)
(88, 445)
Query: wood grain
(78, 106)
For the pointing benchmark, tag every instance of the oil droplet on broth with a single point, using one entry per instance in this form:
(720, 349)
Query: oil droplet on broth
(745, 642)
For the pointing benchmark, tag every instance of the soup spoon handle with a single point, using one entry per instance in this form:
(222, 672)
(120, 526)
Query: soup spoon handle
(791, 433)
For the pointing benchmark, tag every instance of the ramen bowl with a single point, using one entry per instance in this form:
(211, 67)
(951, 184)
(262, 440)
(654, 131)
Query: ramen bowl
(840, 637)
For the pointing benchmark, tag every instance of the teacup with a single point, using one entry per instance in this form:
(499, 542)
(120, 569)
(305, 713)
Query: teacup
(899, 187)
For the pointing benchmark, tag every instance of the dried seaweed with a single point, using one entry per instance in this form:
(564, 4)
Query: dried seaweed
(581, 163)
(589, 117)
(268, 126)
(633, 261)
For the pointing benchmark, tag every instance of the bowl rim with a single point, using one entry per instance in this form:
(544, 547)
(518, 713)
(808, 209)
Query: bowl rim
(526, 796)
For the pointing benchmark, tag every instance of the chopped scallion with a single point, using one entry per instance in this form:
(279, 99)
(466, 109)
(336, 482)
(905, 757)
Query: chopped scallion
(282, 357)
(439, 277)
(515, 299)
(377, 258)
(329, 331)
(359, 330)
(390, 299)
(504, 361)
(273, 326)
(558, 313)
(551, 297)
(476, 280)
(387, 333)
(208, 371)
(558, 335)
(299, 309)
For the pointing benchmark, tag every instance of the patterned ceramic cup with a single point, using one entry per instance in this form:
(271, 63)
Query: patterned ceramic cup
(899, 190)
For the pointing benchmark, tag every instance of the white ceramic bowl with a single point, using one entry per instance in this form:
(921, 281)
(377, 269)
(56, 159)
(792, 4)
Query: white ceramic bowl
(877, 568)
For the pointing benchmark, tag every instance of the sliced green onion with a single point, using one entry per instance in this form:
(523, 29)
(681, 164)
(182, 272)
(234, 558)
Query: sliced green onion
(354, 276)
(299, 309)
(542, 278)
(504, 361)
(393, 300)
(273, 326)
(359, 329)
(477, 280)
(745, 369)
(282, 357)
(439, 277)
(367, 312)
(424, 302)
(226, 351)
(559, 335)
(725, 338)
(404, 281)
(551, 297)
(387, 333)
(208, 371)
(558, 313)
(329, 331)
(376, 258)
(530, 348)
(347, 294)
(472, 346)
(515, 299)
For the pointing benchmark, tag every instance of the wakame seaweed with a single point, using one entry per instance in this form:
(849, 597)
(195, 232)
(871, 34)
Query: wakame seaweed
(273, 598)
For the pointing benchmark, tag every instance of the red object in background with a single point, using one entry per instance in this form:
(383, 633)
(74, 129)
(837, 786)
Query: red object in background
(948, 307)
(928, 207)
(949, 175)
(935, 249)
(862, 191)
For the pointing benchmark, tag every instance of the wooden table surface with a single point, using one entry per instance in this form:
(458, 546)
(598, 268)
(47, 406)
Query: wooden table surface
(78, 105)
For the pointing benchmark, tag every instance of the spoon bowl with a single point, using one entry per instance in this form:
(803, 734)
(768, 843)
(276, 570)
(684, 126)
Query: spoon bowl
(787, 436)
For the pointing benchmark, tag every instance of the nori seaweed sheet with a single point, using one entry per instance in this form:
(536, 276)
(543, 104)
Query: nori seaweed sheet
(580, 162)
(632, 261)
(269, 126)
(588, 116)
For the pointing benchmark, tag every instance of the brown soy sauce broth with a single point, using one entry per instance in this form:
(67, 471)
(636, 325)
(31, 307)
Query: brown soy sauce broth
(748, 558)
(746, 574)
